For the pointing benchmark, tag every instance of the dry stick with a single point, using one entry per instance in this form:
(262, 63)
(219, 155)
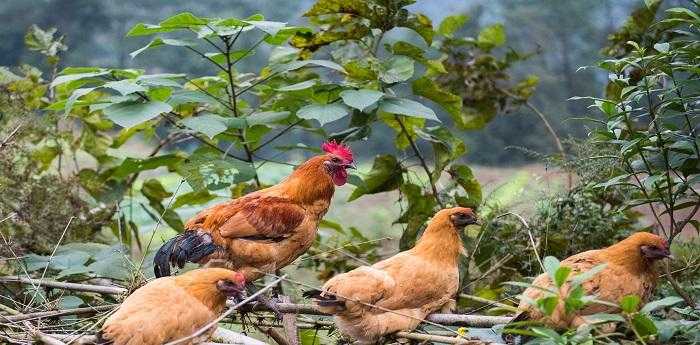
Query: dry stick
(43, 274)
(289, 323)
(272, 333)
(12, 134)
(489, 302)
(38, 335)
(55, 313)
(228, 312)
(67, 286)
(421, 159)
(532, 239)
(438, 338)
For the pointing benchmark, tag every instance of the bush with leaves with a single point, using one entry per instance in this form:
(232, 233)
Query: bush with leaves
(651, 117)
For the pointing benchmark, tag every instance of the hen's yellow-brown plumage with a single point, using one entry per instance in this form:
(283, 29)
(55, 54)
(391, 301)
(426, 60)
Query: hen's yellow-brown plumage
(404, 288)
(265, 230)
(628, 271)
(170, 308)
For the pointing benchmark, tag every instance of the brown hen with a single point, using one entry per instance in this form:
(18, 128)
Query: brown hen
(171, 308)
(397, 293)
(628, 270)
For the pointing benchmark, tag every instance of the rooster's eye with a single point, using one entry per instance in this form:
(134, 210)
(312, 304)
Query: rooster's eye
(336, 160)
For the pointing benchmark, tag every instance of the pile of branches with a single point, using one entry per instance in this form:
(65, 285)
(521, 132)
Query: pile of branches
(24, 327)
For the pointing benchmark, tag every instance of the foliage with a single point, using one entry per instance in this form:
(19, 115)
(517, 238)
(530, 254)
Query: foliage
(650, 118)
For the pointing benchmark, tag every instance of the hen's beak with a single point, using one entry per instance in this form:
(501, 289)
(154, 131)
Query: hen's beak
(350, 166)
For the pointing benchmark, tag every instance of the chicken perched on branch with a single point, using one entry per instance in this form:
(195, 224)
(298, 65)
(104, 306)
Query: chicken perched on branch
(397, 293)
(171, 308)
(628, 270)
(264, 230)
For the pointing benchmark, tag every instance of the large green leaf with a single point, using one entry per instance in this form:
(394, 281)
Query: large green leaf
(131, 113)
(361, 99)
(207, 169)
(466, 179)
(451, 24)
(295, 65)
(407, 107)
(324, 113)
(492, 36)
(211, 124)
(427, 88)
(134, 165)
(386, 175)
(157, 42)
(397, 69)
(125, 86)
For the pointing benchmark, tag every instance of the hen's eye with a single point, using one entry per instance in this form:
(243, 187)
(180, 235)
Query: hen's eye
(336, 160)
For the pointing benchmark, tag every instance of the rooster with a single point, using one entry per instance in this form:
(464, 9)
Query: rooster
(171, 308)
(628, 270)
(397, 293)
(265, 230)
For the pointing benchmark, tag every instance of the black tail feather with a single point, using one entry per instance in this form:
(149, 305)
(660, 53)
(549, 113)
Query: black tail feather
(190, 246)
(327, 300)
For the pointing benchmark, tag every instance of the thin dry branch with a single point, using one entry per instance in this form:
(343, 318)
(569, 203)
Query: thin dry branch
(65, 286)
(441, 339)
(56, 313)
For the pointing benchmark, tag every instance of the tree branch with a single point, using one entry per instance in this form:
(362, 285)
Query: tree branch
(421, 159)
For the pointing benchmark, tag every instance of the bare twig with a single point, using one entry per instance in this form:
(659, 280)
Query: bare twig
(489, 302)
(66, 286)
(529, 232)
(688, 300)
(439, 338)
(289, 323)
(56, 313)
(12, 134)
(421, 159)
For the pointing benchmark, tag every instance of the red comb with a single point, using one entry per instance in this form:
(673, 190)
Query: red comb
(337, 149)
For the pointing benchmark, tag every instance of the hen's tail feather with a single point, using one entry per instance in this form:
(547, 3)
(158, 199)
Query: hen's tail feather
(190, 246)
(327, 300)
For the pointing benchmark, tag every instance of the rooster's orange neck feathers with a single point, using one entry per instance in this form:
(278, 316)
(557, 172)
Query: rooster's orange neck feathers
(310, 182)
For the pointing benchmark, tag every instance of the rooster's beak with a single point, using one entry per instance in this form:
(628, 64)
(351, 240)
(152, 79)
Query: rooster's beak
(350, 166)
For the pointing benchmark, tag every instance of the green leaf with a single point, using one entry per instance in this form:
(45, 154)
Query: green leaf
(331, 225)
(211, 124)
(561, 275)
(427, 88)
(396, 69)
(662, 47)
(267, 117)
(466, 179)
(124, 87)
(271, 28)
(234, 56)
(548, 304)
(194, 198)
(185, 19)
(662, 303)
(492, 36)
(630, 303)
(386, 175)
(62, 79)
(133, 165)
(299, 86)
(643, 325)
(361, 99)
(582, 277)
(451, 24)
(604, 318)
(324, 113)
(207, 169)
(295, 65)
(551, 265)
(407, 107)
(131, 113)
(157, 42)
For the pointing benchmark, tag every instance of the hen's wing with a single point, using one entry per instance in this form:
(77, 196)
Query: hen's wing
(356, 289)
